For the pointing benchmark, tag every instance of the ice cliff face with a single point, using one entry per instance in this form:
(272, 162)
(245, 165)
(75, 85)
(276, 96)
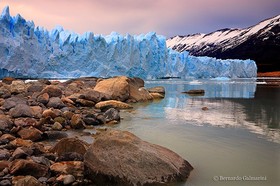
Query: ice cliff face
(29, 51)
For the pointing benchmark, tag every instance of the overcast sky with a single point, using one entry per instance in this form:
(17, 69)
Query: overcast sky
(166, 17)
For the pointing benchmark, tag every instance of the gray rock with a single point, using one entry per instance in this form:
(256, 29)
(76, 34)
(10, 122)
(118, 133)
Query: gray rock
(68, 179)
(112, 114)
(55, 102)
(21, 110)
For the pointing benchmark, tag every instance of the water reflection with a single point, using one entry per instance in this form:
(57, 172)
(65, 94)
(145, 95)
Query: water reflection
(231, 103)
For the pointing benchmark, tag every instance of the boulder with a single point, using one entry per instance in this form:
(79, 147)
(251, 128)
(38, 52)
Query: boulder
(30, 133)
(52, 91)
(77, 122)
(116, 88)
(57, 126)
(85, 103)
(18, 142)
(120, 158)
(75, 168)
(13, 101)
(28, 167)
(157, 95)
(49, 113)
(43, 98)
(17, 87)
(70, 145)
(22, 152)
(55, 102)
(157, 89)
(137, 92)
(113, 103)
(21, 110)
(4, 154)
(94, 96)
(112, 114)
(35, 87)
(23, 122)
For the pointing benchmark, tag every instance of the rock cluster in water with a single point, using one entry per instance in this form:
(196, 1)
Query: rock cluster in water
(33, 114)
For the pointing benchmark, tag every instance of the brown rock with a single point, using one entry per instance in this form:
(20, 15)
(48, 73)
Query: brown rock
(13, 101)
(35, 87)
(43, 98)
(157, 95)
(198, 92)
(94, 96)
(30, 133)
(113, 103)
(53, 91)
(77, 122)
(28, 167)
(8, 137)
(137, 92)
(8, 80)
(3, 165)
(121, 158)
(22, 152)
(158, 89)
(23, 122)
(70, 145)
(75, 168)
(57, 126)
(18, 142)
(26, 181)
(37, 111)
(116, 88)
(5, 123)
(49, 113)
(17, 87)
(4, 154)
(85, 103)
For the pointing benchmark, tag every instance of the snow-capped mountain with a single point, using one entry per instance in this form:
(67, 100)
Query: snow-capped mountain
(260, 42)
(34, 52)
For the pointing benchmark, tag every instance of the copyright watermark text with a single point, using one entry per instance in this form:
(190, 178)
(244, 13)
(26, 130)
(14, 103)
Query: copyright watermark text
(239, 178)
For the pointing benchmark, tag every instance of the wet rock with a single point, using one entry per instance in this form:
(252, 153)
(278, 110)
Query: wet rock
(53, 135)
(21, 110)
(114, 104)
(70, 145)
(112, 114)
(70, 156)
(28, 167)
(116, 88)
(77, 122)
(137, 91)
(158, 89)
(157, 95)
(121, 158)
(198, 92)
(91, 119)
(30, 133)
(75, 168)
(43, 98)
(55, 102)
(52, 91)
(101, 118)
(26, 181)
(57, 126)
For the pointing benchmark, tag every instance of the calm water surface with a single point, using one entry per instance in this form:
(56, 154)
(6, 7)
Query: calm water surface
(237, 137)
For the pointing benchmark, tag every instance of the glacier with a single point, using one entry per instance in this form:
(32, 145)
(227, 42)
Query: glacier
(27, 51)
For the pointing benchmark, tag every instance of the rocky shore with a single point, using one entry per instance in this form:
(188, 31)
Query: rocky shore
(34, 115)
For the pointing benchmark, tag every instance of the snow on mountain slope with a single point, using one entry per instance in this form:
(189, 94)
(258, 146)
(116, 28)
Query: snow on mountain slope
(225, 38)
(260, 43)
(33, 52)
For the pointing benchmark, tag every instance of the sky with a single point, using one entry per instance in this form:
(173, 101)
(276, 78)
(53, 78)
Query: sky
(165, 17)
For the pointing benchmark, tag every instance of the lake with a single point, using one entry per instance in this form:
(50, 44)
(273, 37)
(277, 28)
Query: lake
(234, 140)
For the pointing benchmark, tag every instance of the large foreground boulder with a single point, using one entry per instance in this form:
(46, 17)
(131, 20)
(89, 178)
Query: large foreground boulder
(120, 158)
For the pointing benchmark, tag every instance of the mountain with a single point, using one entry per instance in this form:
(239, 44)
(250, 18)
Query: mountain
(34, 52)
(260, 42)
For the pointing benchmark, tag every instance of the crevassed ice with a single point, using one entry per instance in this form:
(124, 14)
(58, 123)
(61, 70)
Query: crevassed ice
(34, 52)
